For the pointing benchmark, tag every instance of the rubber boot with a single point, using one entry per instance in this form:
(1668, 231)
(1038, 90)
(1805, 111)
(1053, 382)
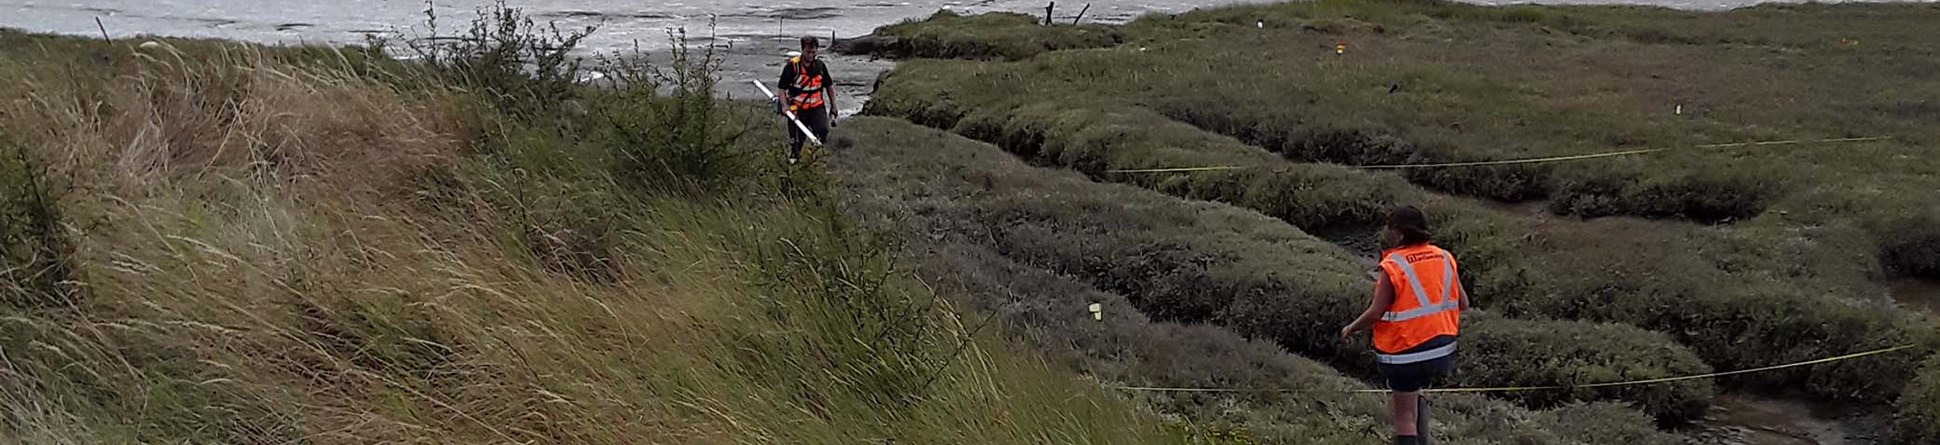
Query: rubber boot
(1421, 421)
(1407, 440)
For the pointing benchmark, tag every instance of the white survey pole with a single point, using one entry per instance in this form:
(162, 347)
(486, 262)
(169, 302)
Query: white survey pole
(790, 114)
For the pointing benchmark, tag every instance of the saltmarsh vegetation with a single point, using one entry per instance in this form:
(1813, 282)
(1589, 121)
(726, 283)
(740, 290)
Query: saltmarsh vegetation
(995, 36)
(1750, 256)
(1727, 289)
(1198, 262)
(209, 242)
(951, 195)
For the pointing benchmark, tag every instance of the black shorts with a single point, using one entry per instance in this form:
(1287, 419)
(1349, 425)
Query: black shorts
(1413, 377)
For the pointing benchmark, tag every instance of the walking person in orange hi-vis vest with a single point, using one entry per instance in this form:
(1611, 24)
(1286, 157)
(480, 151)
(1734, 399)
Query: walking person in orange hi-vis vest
(1416, 315)
(809, 92)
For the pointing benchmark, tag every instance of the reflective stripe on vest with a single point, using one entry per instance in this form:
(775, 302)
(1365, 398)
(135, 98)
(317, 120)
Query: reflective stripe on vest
(1415, 357)
(1421, 296)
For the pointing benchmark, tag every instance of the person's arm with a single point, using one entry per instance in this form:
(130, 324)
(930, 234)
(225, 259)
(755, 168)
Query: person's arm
(1383, 299)
(828, 86)
(781, 88)
(1463, 292)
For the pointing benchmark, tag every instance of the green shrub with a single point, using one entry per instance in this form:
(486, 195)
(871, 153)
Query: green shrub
(994, 36)
(527, 71)
(663, 125)
(1911, 245)
(1095, 139)
(35, 247)
(1601, 422)
(1917, 419)
(1709, 198)
(653, 129)
(834, 284)
(1583, 353)
(1701, 195)
(1362, 146)
(1613, 270)
(1200, 262)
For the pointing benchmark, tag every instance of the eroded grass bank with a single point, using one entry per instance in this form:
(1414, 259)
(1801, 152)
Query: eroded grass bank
(963, 201)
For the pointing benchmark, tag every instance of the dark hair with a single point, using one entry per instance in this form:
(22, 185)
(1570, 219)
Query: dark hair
(810, 42)
(1410, 223)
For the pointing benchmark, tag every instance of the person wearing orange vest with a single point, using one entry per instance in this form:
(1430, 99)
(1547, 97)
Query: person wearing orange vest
(809, 92)
(1416, 316)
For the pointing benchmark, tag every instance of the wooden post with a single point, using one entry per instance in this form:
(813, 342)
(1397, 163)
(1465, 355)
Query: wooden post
(1081, 14)
(1047, 12)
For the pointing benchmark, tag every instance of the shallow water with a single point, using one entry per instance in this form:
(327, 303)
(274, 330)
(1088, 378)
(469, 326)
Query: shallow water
(753, 32)
(1917, 293)
(623, 22)
(1737, 419)
(1538, 209)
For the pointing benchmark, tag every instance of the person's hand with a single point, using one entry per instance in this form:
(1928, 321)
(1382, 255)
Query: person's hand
(1347, 333)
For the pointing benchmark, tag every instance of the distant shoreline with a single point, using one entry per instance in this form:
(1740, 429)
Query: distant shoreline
(619, 29)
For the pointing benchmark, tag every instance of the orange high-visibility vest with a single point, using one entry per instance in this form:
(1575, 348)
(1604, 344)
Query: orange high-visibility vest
(808, 84)
(1427, 304)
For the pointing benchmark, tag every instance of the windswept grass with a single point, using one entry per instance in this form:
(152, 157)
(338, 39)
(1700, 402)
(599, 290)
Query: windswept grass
(276, 245)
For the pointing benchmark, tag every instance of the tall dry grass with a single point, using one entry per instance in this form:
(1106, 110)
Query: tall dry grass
(272, 252)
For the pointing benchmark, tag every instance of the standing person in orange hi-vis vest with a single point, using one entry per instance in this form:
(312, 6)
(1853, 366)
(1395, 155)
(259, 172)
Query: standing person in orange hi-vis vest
(1416, 315)
(808, 91)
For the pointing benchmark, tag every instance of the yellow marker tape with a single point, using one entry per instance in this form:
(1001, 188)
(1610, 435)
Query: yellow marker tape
(1794, 141)
(1181, 169)
(1518, 161)
(1549, 387)
(1512, 161)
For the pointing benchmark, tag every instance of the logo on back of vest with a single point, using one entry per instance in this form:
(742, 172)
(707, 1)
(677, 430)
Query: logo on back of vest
(1419, 257)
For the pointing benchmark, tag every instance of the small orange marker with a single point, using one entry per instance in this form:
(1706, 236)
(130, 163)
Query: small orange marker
(1340, 49)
